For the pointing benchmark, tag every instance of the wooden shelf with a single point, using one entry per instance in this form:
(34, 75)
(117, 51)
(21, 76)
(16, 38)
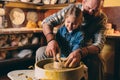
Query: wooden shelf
(15, 59)
(55, 6)
(20, 30)
(34, 6)
(113, 36)
(19, 47)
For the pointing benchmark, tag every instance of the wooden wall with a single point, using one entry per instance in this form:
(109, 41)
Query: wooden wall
(109, 51)
(113, 14)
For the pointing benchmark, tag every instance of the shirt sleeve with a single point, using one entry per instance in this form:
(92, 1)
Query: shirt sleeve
(57, 18)
(100, 37)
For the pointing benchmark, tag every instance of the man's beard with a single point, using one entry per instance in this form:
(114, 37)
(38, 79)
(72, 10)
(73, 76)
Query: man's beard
(86, 14)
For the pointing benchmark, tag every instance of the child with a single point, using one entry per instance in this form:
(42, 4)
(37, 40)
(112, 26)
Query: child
(69, 36)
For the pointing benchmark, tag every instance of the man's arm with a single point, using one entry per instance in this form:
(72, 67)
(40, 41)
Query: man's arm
(99, 39)
(50, 22)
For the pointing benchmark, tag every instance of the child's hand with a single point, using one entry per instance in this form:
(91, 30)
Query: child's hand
(73, 60)
(58, 58)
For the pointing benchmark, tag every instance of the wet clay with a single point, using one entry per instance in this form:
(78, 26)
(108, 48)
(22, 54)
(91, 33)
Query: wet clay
(54, 65)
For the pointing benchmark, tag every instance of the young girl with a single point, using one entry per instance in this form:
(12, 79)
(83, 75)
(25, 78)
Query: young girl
(69, 36)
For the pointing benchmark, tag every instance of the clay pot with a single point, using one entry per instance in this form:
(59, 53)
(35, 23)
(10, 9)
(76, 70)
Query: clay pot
(59, 74)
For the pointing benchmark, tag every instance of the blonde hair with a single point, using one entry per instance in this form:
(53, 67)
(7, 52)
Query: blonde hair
(76, 12)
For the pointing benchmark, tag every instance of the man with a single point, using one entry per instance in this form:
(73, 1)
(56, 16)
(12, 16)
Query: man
(93, 27)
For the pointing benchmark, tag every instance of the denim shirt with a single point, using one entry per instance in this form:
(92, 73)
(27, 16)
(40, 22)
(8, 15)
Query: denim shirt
(69, 42)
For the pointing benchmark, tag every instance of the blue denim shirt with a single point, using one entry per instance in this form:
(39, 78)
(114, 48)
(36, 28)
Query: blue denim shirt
(69, 42)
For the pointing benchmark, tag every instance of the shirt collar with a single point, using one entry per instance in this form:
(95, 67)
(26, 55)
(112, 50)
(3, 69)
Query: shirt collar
(82, 8)
(65, 31)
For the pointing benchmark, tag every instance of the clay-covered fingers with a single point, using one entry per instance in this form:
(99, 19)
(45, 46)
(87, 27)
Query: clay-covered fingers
(58, 57)
(73, 63)
(54, 55)
(67, 62)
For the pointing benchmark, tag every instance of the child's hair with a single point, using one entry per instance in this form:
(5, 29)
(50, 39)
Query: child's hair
(75, 12)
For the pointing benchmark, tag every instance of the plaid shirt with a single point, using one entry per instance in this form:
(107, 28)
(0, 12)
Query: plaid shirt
(93, 27)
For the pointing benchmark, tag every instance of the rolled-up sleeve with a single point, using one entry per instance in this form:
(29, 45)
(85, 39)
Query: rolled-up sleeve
(100, 37)
(56, 18)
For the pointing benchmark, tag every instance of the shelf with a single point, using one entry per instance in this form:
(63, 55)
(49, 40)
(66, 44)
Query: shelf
(34, 6)
(113, 36)
(20, 30)
(19, 47)
(55, 6)
(15, 59)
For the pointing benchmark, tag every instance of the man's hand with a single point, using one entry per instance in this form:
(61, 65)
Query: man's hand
(52, 48)
(73, 59)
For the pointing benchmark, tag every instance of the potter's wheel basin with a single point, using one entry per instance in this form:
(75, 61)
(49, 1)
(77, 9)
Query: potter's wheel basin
(49, 63)
(58, 74)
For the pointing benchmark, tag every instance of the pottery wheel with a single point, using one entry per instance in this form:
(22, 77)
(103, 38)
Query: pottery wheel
(45, 70)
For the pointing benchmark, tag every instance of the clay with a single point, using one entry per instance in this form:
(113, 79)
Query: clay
(54, 65)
